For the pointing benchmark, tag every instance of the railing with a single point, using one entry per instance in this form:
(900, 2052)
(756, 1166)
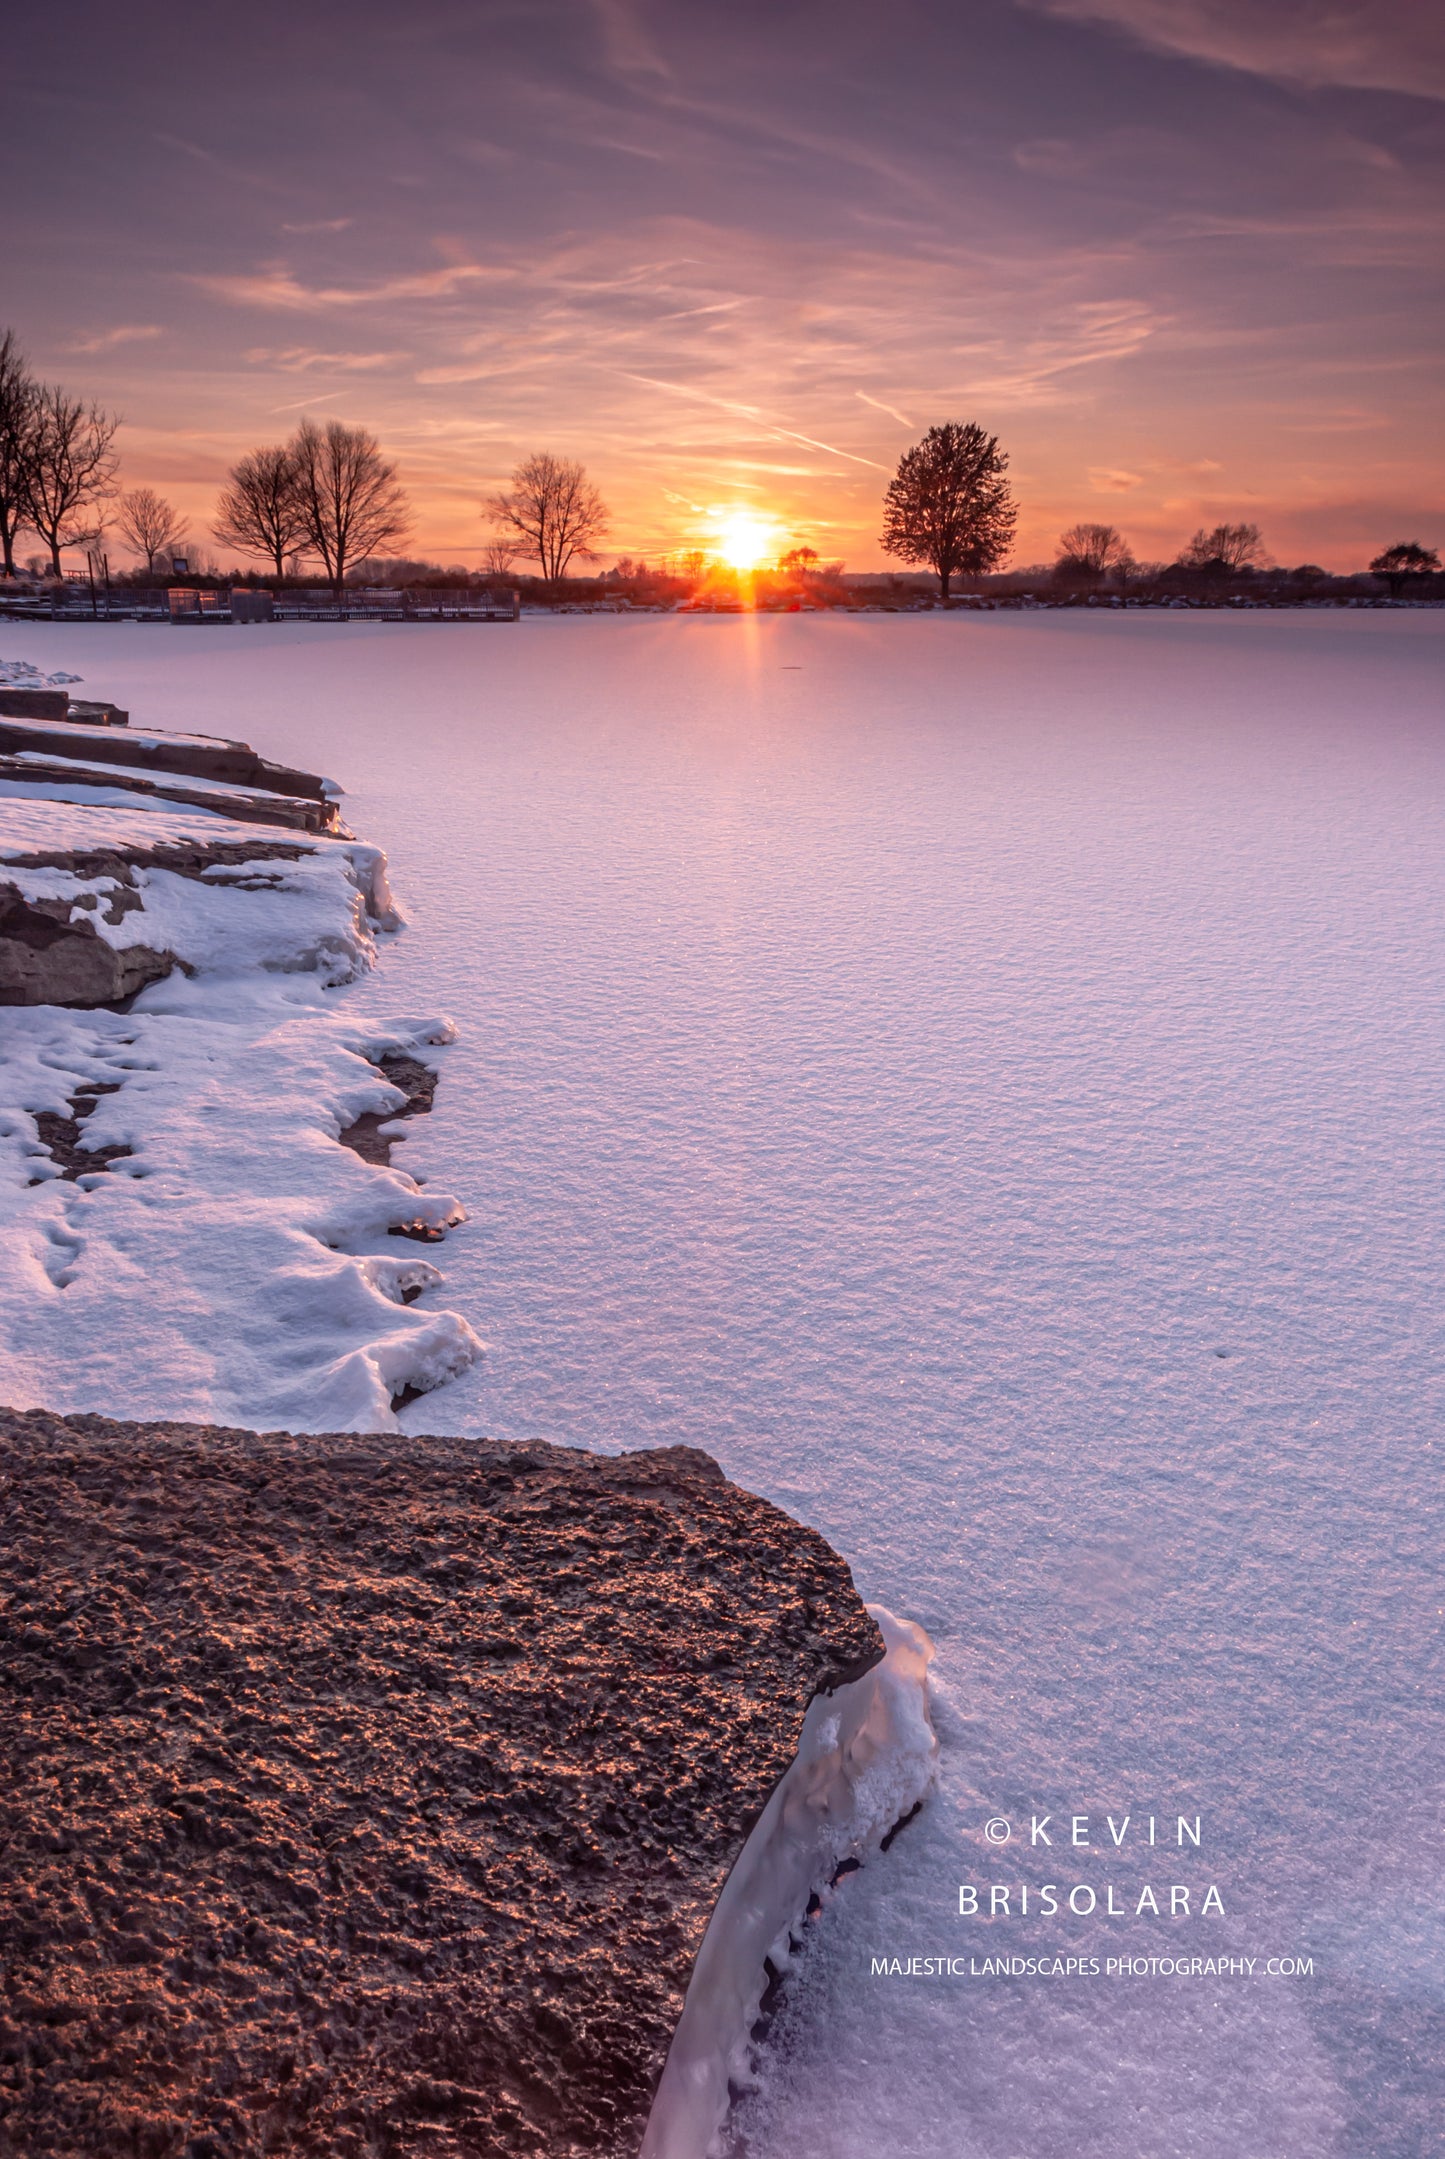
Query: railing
(190, 604)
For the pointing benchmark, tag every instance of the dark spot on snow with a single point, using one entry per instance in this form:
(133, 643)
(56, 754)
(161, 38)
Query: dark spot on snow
(419, 1232)
(408, 1393)
(901, 1824)
(417, 1082)
(60, 1136)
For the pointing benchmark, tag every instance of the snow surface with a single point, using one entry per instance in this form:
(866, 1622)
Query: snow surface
(980, 1077)
(34, 821)
(25, 675)
(237, 1266)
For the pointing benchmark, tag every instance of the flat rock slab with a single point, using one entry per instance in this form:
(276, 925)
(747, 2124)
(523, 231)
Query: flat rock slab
(33, 768)
(371, 1797)
(235, 764)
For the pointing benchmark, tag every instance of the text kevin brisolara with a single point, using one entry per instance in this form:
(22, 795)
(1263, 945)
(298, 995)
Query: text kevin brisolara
(1107, 1900)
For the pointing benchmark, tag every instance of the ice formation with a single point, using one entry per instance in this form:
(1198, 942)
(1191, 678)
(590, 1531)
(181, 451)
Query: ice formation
(865, 1760)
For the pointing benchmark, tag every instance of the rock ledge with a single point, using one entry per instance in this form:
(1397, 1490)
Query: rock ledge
(371, 1797)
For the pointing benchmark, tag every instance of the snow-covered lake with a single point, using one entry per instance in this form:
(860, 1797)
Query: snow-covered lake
(981, 1078)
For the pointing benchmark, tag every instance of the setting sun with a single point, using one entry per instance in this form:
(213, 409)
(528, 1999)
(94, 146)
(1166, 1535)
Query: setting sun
(745, 540)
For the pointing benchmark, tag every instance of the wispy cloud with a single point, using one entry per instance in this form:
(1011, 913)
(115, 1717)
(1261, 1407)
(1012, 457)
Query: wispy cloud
(124, 333)
(1355, 44)
(625, 42)
(752, 412)
(1105, 480)
(247, 175)
(891, 410)
(299, 359)
(629, 149)
(279, 288)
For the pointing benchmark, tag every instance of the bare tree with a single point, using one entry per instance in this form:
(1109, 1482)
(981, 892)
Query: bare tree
(149, 524)
(949, 504)
(1225, 548)
(260, 508)
(1091, 552)
(499, 557)
(69, 466)
(351, 502)
(800, 562)
(551, 511)
(17, 401)
(1406, 559)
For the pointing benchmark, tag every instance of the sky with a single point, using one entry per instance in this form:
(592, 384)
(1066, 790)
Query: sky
(1182, 256)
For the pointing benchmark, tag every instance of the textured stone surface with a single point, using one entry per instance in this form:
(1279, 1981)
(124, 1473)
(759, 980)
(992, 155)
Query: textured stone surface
(48, 959)
(35, 704)
(371, 1796)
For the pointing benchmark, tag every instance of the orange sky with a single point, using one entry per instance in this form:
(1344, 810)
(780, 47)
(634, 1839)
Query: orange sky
(1185, 262)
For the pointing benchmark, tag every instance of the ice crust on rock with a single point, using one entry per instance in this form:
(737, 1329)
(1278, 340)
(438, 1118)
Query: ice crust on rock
(866, 1758)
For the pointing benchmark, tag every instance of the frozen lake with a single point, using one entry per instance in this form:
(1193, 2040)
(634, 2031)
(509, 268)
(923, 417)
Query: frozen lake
(981, 1078)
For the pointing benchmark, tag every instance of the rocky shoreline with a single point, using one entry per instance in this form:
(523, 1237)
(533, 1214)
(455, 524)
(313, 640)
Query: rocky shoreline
(65, 936)
(371, 1796)
(361, 1796)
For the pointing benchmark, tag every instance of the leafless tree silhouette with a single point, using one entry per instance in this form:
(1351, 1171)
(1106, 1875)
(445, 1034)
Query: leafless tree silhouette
(68, 469)
(1091, 552)
(1225, 547)
(551, 512)
(17, 401)
(260, 509)
(351, 502)
(149, 524)
(1406, 559)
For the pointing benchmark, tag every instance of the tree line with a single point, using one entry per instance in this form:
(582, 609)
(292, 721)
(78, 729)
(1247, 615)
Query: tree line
(950, 507)
(330, 493)
(329, 490)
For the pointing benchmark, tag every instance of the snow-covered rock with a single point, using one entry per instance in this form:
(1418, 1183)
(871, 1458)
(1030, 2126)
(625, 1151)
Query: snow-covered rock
(173, 974)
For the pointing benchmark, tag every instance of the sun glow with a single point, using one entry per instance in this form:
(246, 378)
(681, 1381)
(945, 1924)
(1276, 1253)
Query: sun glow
(745, 540)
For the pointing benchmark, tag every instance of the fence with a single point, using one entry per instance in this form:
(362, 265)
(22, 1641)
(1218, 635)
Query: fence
(196, 605)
